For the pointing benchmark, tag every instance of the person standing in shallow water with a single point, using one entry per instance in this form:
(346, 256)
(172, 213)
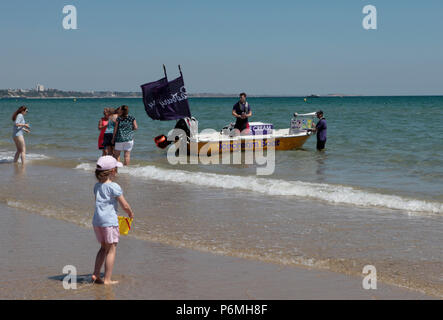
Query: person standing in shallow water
(17, 135)
(321, 129)
(102, 124)
(125, 125)
(109, 132)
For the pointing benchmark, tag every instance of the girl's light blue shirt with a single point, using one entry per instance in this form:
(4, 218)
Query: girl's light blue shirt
(106, 204)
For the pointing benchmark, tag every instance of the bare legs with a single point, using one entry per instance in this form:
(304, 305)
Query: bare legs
(21, 148)
(110, 150)
(127, 155)
(127, 158)
(105, 255)
(117, 154)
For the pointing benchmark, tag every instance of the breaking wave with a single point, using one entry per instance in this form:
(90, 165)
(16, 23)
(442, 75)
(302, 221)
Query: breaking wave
(336, 194)
(8, 156)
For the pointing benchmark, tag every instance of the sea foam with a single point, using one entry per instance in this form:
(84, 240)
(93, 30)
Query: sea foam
(8, 156)
(331, 193)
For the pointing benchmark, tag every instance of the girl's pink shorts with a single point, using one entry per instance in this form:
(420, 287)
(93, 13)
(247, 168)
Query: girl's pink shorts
(107, 234)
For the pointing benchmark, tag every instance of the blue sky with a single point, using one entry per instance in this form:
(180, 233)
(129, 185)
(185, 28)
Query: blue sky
(261, 47)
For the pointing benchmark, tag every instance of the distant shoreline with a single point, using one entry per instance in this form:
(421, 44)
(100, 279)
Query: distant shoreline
(215, 96)
(10, 94)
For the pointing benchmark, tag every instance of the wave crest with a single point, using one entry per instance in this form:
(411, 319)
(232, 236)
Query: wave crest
(336, 194)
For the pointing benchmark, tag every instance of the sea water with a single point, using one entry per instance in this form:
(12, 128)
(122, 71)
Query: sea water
(374, 196)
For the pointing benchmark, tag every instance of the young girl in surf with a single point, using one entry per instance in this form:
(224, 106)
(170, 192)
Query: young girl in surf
(102, 125)
(109, 132)
(108, 195)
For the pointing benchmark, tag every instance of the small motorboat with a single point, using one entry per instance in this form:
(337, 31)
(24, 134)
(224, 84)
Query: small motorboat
(259, 136)
(167, 100)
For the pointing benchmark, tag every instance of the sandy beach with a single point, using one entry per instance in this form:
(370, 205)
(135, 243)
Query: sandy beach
(34, 250)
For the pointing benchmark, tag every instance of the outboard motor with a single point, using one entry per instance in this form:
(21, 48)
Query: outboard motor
(188, 125)
(162, 141)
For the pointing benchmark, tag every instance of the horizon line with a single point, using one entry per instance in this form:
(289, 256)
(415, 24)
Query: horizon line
(215, 94)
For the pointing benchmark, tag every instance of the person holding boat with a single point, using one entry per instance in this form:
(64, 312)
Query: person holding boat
(241, 111)
(320, 129)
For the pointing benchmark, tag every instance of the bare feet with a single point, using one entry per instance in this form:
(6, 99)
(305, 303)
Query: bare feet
(96, 279)
(110, 282)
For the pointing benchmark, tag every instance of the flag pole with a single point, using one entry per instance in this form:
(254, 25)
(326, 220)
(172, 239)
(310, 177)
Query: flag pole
(164, 70)
(180, 69)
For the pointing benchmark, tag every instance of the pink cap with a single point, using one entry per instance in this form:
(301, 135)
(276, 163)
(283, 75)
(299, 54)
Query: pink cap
(108, 163)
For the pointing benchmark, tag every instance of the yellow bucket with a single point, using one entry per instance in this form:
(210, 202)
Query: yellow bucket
(124, 225)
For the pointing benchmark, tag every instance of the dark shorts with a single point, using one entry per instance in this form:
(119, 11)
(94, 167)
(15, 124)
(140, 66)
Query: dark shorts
(107, 140)
(321, 144)
(242, 126)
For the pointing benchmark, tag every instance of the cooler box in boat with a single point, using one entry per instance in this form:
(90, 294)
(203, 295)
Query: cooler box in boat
(260, 128)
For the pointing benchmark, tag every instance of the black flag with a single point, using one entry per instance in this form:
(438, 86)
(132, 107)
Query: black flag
(165, 100)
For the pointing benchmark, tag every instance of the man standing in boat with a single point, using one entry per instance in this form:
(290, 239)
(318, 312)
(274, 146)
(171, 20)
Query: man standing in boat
(320, 128)
(242, 111)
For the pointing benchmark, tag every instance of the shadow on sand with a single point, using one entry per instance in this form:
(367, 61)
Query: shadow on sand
(81, 278)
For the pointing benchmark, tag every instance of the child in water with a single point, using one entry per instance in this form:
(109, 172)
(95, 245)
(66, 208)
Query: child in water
(102, 125)
(105, 222)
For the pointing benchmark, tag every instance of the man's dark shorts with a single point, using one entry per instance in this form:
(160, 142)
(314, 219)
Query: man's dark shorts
(242, 126)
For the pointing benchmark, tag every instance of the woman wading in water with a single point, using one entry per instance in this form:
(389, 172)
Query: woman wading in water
(17, 133)
(123, 137)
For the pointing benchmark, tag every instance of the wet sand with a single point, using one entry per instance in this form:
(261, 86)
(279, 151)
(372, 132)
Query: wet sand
(282, 231)
(34, 250)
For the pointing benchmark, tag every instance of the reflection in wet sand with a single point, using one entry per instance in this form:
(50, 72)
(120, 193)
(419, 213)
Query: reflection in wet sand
(146, 270)
(320, 159)
(20, 170)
